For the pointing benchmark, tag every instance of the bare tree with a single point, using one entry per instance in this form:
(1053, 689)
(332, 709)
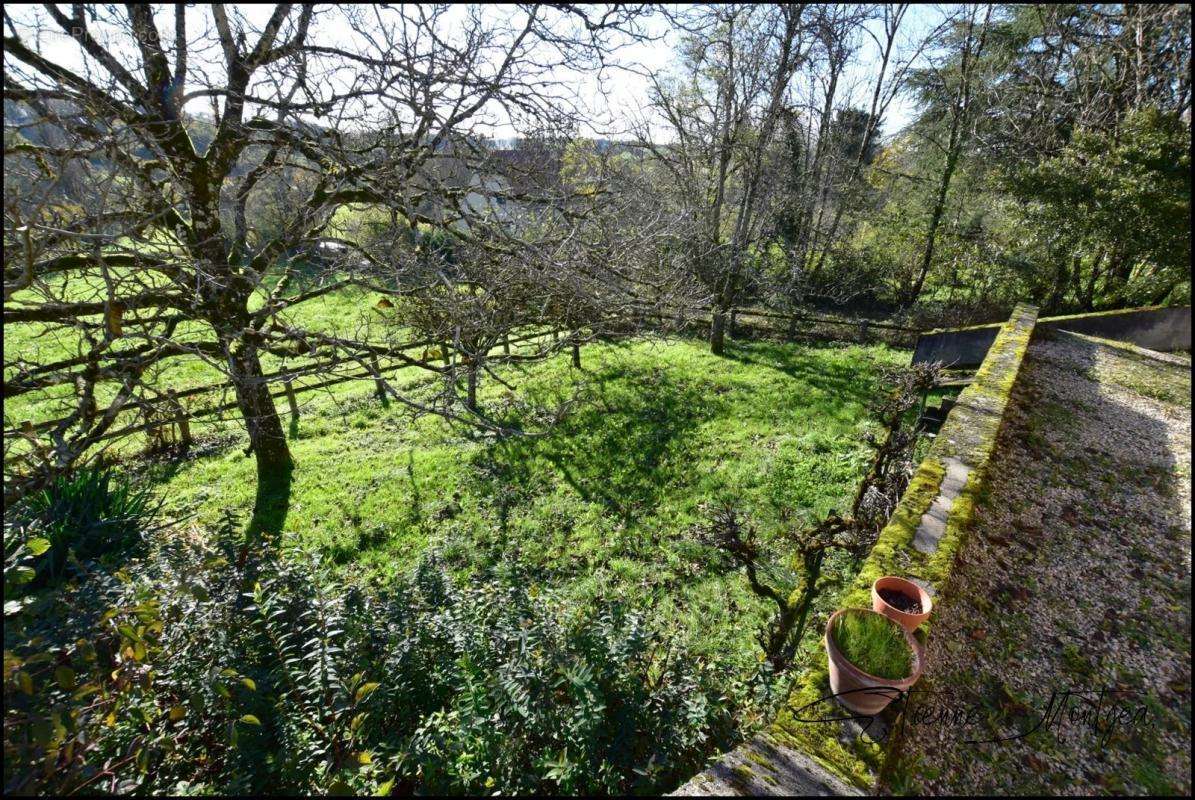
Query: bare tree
(884, 91)
(720, 117)
(131, 226)
(577, 265)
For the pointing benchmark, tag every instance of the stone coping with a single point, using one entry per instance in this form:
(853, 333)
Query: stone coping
(1131, 349)
(1062, 318)
(926, 530)
(1154, 327)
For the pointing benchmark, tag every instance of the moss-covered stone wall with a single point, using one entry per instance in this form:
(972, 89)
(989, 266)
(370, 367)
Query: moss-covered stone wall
(920, 541)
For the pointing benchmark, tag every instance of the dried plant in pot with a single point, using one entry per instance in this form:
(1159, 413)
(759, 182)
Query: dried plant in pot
(901, 600)
(872, 659)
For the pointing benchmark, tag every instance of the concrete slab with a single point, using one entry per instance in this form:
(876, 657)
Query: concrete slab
(765, 767)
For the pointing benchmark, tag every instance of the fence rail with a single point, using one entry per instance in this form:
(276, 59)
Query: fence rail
(795, 317)
(286, 376)
(180, 415)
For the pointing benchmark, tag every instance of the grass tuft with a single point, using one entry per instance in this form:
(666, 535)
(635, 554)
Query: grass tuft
(874, 644)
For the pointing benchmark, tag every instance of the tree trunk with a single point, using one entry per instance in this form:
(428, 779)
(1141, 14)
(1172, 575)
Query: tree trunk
(935, 219)
(267, 442)
(1087, 299)
(958, 138)
(471, 388)
(718, 332)
(266, 438)
(1056, 295)
(891, 24)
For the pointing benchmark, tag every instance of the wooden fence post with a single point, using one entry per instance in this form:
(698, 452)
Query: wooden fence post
(576, 355)
(288, 384)
(180, 419)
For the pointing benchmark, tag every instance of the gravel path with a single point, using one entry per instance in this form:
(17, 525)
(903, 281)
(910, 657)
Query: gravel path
(1077, 577)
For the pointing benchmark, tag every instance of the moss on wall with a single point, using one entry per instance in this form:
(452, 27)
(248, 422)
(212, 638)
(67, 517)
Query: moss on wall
(969, 436)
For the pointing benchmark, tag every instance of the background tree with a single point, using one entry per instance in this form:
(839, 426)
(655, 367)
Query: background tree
(1124, 200)
(721, 115)
(1046, 75)
(957, 88)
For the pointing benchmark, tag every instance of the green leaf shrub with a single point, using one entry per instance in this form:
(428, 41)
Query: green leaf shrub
(225, 667)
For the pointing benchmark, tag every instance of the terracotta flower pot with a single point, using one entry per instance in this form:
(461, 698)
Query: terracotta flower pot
(859, 691)
(909, 589)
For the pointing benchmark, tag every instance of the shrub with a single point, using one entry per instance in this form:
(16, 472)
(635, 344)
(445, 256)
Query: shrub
(874, 644)
(20, 556)
(90, 514)
(227, 668)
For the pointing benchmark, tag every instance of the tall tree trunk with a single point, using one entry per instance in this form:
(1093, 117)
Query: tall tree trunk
(935, 219)
(891, 25)
(816, 185)
(958, 137)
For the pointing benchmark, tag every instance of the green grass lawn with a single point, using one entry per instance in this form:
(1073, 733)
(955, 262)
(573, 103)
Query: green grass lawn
(606, 503)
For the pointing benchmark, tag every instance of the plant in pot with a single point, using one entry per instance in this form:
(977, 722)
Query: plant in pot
(901, 600)
(872, 659)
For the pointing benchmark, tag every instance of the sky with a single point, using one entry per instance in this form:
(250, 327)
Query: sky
(628, 91)
(613, 99)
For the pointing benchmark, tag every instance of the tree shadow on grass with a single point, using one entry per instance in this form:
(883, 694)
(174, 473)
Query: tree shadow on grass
(845, 381)
(271, 504)
(622, 445)
(271, 500)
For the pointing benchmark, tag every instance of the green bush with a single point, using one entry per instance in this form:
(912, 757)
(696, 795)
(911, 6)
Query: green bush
(89, 514)
(229, 669)
(20, 558)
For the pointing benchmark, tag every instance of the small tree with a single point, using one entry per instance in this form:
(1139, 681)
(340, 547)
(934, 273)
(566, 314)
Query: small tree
(721, 115)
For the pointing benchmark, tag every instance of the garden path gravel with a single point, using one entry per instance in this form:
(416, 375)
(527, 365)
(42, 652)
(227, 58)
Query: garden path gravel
(1077, 576)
